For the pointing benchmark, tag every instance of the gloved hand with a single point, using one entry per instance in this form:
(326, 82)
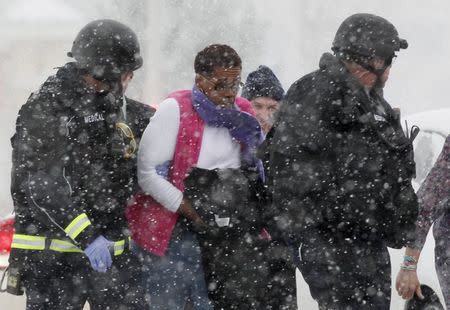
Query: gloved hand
(99, 254)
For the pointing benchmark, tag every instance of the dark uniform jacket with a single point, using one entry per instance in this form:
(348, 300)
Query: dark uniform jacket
(232, 250)
(340, 161)
(73, 166)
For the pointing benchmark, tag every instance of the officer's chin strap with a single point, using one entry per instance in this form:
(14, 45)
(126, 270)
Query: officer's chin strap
(378, 72)
(363, 62)
(115, 86)
(113, 81)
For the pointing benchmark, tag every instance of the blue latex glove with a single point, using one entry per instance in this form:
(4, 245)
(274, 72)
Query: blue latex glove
(99, 254)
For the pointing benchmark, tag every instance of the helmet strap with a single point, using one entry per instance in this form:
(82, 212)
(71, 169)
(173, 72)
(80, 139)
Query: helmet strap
(115, 86)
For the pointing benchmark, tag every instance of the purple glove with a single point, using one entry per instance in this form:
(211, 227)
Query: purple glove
(99, 254)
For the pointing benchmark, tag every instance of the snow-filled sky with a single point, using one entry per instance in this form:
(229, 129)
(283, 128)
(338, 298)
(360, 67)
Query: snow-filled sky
(287, 35)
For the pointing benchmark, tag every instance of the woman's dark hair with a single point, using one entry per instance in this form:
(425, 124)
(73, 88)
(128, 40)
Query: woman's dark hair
(216, 55)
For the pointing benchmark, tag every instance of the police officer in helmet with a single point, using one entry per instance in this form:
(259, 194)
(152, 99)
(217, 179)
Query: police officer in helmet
(73, 172)
(344, 167)
(106, 50)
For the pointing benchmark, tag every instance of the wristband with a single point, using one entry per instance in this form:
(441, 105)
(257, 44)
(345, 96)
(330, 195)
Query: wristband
(408, 267)
(409, 259)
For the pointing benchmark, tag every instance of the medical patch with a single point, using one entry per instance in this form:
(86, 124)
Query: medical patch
(93, 118)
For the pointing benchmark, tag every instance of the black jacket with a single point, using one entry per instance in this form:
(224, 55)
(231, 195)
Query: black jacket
(232, 255)
(341, 164)
(69, 160)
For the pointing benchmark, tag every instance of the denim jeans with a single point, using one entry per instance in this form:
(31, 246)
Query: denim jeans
(176, 279)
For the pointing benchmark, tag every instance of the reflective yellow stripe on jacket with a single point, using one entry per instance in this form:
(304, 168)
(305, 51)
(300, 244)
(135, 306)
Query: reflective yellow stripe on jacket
(27, 242)
(77, 226)
(64, 246)
(119, 247)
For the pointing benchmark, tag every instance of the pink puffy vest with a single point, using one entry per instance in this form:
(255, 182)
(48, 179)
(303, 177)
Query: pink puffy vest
(150, 223)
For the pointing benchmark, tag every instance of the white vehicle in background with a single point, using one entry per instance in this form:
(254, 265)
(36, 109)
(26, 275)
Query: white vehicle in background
(434, 128)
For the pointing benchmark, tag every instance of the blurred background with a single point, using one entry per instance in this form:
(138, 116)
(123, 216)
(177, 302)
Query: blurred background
(287, 35)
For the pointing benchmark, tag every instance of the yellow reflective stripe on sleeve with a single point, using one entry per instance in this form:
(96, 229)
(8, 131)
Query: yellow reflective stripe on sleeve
(77, 226)
(27, 242)
(119, 247)
(64, 246)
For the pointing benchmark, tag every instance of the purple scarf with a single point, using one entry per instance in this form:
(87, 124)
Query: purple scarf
(242, 126)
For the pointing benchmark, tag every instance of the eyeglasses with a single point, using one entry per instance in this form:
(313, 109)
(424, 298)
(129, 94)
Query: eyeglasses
(223, 86)
(387, 63)
(126, 131)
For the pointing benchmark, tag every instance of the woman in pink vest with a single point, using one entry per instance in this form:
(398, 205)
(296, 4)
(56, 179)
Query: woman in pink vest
(208, 128)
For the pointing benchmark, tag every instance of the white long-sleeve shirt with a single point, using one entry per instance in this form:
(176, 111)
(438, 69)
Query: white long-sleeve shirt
(157, 146)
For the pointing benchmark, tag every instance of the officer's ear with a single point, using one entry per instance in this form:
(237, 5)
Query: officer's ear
(125, 79)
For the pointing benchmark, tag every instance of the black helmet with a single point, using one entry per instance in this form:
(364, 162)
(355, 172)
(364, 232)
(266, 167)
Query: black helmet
(106, 48)
(367, 36)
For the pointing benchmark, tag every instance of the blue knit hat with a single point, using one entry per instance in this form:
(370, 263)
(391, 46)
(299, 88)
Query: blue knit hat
(262, 83)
